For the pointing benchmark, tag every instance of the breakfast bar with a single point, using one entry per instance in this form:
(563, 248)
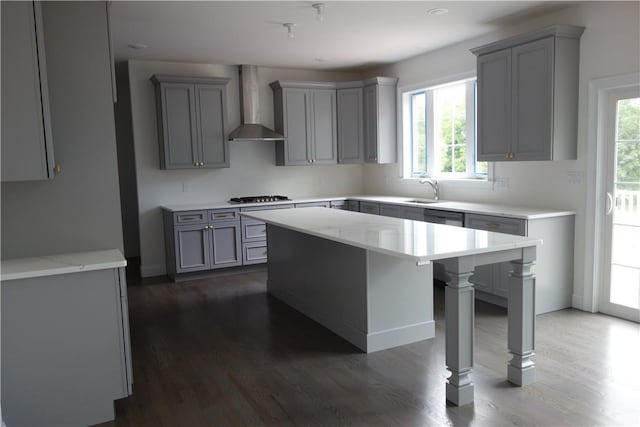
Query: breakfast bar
(369, 279)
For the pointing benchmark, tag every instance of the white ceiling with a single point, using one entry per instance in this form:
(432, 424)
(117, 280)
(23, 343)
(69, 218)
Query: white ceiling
(353, 34)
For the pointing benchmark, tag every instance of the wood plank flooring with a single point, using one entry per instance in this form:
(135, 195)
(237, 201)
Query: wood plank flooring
(221, 352)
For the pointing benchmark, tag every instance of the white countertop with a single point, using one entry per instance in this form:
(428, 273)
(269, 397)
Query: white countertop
(421, 241)
(24, 268)
(477, 208)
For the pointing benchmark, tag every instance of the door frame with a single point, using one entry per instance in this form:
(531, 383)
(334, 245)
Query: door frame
(596, 168)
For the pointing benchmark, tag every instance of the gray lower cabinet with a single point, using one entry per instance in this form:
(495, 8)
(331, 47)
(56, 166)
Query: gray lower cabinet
(305, 114)
(379, 100)
(66, 353)
(370, 207)
(202, 240)
(254, 235)
(191, 116)
(554, 264)
(326, 204)
(352, 205)
(528, 96)
(27, 144)
(338, 204)
(350, 125)
(395, 211)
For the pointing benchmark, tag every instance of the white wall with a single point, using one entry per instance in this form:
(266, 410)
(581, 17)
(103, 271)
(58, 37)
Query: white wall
(252, 170)
(79, 209)
(609, 46)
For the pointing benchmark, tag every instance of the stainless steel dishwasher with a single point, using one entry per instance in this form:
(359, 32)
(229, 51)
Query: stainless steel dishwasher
(447, 218)
(444, 217)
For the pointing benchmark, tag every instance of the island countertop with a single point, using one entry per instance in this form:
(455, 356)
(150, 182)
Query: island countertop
(420, 241)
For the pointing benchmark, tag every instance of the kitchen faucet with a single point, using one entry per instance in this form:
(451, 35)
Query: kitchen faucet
(433, 184)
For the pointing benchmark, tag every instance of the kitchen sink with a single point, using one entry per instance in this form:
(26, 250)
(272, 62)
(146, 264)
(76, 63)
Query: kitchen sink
(421, 201)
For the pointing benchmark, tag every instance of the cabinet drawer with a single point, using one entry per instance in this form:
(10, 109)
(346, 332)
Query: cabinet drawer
(190, 217)
(254, 253)
(391, 210)
(497, 224)
(370, 208)
(353, 205)
(313, 205)
(416, 214)
(266, 207)
(253, 230)
(224, 215)
(339, 204)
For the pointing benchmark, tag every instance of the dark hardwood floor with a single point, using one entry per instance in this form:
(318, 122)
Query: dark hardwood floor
(221, 352)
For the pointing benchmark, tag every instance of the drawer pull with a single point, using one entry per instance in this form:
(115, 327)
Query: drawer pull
(493, 225)
(224, 215)
(190, 217)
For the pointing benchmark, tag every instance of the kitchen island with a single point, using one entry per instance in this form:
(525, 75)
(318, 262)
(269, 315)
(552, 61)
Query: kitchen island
(368, 277)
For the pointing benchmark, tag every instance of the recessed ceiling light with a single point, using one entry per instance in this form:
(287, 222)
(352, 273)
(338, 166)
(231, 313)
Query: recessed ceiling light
(437, 11)
(138, 46)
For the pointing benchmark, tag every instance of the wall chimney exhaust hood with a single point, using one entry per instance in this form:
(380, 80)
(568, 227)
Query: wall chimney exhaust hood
(251, 129)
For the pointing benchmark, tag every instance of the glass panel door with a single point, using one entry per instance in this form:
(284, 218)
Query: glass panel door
(621, 290)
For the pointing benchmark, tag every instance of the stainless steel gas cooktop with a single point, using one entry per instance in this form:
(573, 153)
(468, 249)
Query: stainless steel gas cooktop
(258, 199)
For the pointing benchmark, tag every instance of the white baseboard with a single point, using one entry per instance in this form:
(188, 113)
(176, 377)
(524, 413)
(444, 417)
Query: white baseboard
(367, 342)
(153, 270)
(403, 335)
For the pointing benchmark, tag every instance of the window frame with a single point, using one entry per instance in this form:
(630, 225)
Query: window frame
(405, 94)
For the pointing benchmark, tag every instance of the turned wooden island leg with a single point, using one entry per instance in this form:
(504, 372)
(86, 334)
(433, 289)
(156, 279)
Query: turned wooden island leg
(522, 318)
(459, 315)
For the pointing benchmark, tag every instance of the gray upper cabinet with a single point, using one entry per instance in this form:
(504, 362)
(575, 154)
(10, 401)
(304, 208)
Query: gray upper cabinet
(380, 120)
(27, 147)
(350, 125)
(528, 96)
(305, 113)
(192, 117)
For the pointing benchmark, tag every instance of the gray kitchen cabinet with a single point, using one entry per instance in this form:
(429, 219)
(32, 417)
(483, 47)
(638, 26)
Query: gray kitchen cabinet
(27, 143)
(370, 207)
(416, 214)
(395, 211)
(202, 240)
(353, 205)
(338, 204)
(528, 96)
(192, 248)
(350, 125)
(66, 353)
(554, 264)
(305, 113)
(254, 235)
(326, 204)
(192, 115)
(379, 99)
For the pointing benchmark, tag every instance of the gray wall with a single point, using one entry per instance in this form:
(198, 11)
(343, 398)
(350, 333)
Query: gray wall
(80, 208)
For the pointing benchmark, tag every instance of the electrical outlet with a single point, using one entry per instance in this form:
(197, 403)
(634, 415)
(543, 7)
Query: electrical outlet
(186, 187)
(501, 182)
(574, 177)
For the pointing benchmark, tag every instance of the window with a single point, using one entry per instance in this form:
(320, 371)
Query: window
(439, 132)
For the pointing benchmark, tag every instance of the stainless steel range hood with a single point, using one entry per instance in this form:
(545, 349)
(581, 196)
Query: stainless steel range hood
(251, 129)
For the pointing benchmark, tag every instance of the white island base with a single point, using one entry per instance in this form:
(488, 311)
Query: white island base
(359, 275)
(373, 300)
